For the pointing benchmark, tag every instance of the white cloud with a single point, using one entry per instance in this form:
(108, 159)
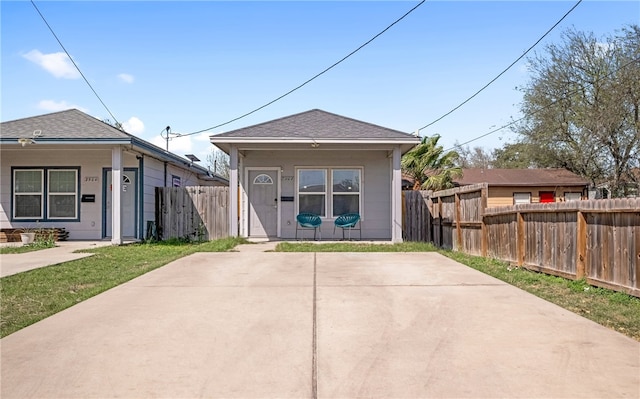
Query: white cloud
(187, 145)
(57, 64)
(55, 106)
(177, 145)
(202, 137)
(125, 77)
(133, 125)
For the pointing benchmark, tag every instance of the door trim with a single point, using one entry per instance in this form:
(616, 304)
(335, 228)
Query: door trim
(245, 197)
(104, 201)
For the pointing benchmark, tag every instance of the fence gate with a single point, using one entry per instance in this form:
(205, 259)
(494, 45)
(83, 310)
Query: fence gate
(197, 213)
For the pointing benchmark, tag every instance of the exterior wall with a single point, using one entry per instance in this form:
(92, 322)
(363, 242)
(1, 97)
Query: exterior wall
(376, 187)
(91, 162)
(503, 196)
(154, 176)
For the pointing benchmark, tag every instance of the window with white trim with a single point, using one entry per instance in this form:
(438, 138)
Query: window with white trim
(346, 191)
(572, 196)
(312, 191)
(63, 194)
(45, 194)
(263, 179)
(28, 194)
(521, 198)
(342, 195)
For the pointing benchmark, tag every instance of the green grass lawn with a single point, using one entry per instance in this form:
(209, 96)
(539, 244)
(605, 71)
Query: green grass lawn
(20, 249)
(36, 294)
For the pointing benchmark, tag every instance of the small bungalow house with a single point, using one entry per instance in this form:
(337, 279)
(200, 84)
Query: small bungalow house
(70, 170)
(316, 162)
(522, 186)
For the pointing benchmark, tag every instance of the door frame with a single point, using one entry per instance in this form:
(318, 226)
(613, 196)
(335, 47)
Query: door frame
(104, 200)
(246, 200)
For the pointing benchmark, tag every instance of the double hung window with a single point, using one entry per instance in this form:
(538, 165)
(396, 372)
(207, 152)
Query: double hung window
(329, 192)
(312, 191)
(45, 194)
(346, 191)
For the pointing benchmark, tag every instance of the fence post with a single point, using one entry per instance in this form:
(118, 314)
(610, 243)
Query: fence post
(426, 201)
(483, 228)
(581, 245)
(456, 199)
(520, 243)
(159, 214)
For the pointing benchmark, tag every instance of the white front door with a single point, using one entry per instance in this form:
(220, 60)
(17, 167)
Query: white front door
(128, 198)
(263, 203)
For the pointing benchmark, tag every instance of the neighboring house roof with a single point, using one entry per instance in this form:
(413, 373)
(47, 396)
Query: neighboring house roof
(314, 126)
(73, 127)
(521, 177)
(61, 126)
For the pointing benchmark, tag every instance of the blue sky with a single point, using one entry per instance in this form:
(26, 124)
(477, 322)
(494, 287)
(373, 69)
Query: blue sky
(194, 65)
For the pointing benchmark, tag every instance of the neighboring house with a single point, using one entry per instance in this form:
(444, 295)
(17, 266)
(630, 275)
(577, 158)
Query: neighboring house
(522, 186)
(317, 162)
(70, 170)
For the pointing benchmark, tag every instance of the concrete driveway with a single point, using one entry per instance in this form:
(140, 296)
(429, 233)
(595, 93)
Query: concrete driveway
(304, 325)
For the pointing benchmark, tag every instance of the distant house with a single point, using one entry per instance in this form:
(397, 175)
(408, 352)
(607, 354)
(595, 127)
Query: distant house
(318, 162)
(522, 186)
(70, 170)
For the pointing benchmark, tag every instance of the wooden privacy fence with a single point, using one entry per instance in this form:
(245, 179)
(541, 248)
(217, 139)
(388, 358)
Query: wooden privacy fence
(598, 240)
(416, 220)
(199, 212)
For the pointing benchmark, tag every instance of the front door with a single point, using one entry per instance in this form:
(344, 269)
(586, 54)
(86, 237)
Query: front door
(128, 198)
(263, 203)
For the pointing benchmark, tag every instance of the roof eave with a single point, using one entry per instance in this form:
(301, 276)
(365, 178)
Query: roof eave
(62, 141)
(226, 142)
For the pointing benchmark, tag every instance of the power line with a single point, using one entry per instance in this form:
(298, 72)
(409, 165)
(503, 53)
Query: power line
(541, 109)
(505, 70)
(74, 64)
(311, 79)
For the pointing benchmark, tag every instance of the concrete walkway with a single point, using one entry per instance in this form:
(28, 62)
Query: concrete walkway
(63, 252)
(253, 324)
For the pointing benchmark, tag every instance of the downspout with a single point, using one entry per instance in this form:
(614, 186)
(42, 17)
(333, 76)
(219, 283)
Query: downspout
(141, 197)
(165, 173)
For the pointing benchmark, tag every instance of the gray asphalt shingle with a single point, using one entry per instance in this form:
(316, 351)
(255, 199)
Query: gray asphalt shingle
(69, 124)
(316, 124)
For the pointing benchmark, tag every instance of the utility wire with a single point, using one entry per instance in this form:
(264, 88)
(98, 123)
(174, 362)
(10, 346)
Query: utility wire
(505, 70)
(541, 109)
(309, 80)
(75, 65)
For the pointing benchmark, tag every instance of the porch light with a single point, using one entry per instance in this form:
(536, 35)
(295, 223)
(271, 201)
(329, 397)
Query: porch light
(24, 141)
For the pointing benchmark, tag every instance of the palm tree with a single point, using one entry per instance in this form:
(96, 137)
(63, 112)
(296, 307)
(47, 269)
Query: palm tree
(429, 166)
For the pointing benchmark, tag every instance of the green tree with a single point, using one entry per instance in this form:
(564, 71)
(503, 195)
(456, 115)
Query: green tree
(476, 157)
(582, 107)
(430, 166)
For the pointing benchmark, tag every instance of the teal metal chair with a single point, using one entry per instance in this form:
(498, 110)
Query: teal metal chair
(308, 221)
(348, 221)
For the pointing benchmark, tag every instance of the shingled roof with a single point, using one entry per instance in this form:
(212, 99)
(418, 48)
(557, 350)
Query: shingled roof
(64, 125)
(74, 127)
(521, 177)
(316, 124)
